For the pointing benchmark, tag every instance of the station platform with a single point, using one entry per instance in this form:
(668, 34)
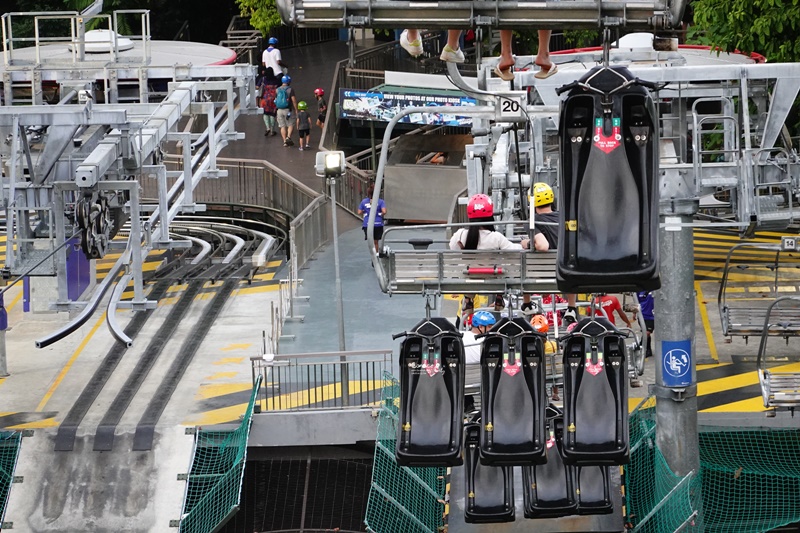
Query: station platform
(45, 384)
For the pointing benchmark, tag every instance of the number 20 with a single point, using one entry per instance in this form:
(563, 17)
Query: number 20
(510, 106)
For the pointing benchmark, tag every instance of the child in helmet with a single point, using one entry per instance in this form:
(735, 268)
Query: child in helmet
(322, 106)
(303, 124)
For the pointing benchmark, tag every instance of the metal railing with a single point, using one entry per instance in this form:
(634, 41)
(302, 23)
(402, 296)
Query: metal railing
(321, 380)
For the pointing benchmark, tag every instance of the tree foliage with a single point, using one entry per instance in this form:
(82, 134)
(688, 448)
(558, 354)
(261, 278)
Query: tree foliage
(768, 27)
(263, 14)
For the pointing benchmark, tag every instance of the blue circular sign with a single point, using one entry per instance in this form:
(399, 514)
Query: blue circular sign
(676, 363)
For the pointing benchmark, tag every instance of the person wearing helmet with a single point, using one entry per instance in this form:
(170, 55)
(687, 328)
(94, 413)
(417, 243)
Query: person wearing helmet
(322, 106)
(483, 236)
(286, 102)
(272, 58)
(482, 321)
(303, 125)
(545, 237)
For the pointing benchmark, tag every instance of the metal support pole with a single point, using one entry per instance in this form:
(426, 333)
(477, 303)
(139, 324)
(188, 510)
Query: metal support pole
(339, 301)
(3, 326)
(676, 378)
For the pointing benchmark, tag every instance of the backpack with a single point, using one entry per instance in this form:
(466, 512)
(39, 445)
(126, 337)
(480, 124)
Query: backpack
(282, 99)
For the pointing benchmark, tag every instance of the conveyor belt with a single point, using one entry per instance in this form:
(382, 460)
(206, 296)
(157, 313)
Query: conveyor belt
(145, 430)
(65, 438)
(104, 437)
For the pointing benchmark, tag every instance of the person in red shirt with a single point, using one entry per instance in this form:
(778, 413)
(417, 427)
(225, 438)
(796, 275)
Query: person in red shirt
(609, 304)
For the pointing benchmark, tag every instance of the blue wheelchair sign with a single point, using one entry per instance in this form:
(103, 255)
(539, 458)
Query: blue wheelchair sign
(676, 363)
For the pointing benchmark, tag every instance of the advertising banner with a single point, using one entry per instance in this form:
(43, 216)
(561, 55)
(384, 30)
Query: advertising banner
(383, 106)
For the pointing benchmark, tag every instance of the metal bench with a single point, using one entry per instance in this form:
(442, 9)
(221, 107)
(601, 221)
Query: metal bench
(468, 271)
(779, 389)
(755, 275)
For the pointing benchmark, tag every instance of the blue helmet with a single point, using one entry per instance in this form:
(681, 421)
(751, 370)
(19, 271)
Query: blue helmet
(273, 41)
(286, 79)
(483, 318)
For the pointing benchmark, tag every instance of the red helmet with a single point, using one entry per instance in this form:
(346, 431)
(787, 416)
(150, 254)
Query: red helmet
(480, 206)
(319, 92)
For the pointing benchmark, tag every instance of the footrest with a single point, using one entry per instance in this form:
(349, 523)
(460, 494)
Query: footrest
(782, 389)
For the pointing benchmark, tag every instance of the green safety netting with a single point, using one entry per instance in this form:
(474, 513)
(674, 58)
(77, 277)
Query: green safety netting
(214, 483)
(749, 481)
(657, 501)
(9, 450)
(404, 499)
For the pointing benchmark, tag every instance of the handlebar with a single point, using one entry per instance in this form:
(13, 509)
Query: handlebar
(653, 86)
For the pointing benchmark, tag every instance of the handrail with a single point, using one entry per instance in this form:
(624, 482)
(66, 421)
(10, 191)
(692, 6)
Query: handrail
(762, 346)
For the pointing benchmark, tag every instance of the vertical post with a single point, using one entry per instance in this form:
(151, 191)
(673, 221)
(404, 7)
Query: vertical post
(676, 378)
(3, 327)
(339, 302)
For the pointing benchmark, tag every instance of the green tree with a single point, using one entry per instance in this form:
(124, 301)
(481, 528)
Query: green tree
(768, 27)
(263, 14)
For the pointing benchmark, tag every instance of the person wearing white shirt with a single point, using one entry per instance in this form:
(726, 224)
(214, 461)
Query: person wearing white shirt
(272, 57)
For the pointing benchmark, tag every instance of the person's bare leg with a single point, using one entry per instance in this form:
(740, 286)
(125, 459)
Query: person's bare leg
(452, 38)
(506, 56)
(543, 54)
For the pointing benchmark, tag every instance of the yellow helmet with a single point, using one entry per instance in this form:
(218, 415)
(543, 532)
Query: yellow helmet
(542, 194)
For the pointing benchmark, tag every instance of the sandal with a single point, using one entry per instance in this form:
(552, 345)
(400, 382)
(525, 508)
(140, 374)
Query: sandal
(505, 75)
(546, 73)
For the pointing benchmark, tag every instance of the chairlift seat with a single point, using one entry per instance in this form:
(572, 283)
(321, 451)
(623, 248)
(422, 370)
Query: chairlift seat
(549, 489)
(594, 490)
(469, 271)
(755, 275)
(779, 389)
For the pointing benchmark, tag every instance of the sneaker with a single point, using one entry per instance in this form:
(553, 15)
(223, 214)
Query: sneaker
(414, 48)
(266, 133)
(452, 56)
(301, 148)
(527, 306)
(289, 142)
(570, 317)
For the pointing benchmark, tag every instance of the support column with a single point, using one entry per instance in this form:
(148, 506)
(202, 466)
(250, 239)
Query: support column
(676, 378)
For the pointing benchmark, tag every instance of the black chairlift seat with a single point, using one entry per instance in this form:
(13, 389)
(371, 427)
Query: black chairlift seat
(489, 489)
(595, 395)
(513, 398)
(609, 175)
(594, 490)
(549, 489)
(430, 429)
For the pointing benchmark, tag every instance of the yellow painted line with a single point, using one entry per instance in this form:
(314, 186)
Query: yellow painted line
(284, 401)
(712, 347)
(213, 390)
(69, 364)
(256, 290)
(227, 360)
(275, 263)
(222, 375)
(39, 424)
(15, 301)
(739, 380)
(217, 416)
(750, 405)
(239, 346)
(266, 276)
(181, 287)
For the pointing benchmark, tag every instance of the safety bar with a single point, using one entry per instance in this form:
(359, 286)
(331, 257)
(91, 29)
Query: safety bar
(497, 14)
